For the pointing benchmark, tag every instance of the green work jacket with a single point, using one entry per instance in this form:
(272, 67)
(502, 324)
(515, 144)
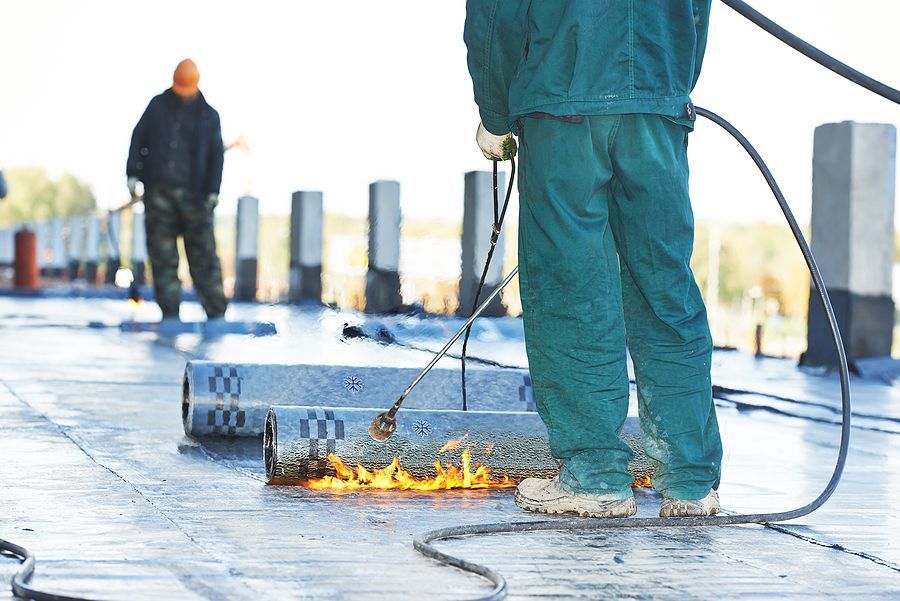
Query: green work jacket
(584, 57)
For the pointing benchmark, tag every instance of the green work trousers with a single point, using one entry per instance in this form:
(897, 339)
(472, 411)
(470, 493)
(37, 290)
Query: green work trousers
(173, 213)
(606, 235)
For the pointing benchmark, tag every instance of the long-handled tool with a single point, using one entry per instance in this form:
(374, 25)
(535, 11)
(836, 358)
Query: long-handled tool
(385, 423)
(134, 292)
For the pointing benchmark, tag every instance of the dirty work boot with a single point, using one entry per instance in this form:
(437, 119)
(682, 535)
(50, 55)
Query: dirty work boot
(678, 508)
(549, 496)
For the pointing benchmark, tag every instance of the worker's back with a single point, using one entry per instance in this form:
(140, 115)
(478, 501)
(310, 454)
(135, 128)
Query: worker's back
(586, 57)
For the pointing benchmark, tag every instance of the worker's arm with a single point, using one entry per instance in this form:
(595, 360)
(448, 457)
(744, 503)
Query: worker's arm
(4, 189)
(138, 152)
(495, 36)
(701, 26)
(216, 157)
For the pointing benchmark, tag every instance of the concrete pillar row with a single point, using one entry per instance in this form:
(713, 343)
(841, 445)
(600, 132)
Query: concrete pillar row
(139, 247)
(76, 245)
(247, 245)
(7, 246)
(58, 260)
(305, 269)
(113, 245)
(383, 277)
(854, 168)
(92, 248)
(478, 220)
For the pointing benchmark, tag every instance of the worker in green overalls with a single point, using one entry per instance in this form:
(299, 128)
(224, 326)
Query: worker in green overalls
(597, 92)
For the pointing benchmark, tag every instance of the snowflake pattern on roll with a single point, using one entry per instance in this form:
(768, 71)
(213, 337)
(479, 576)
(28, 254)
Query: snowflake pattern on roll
(353, 384)
(422, 428)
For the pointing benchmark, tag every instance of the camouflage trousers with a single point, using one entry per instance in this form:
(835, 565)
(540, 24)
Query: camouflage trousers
(173, 213)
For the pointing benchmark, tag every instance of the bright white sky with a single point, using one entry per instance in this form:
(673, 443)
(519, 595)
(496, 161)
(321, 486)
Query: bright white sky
(333, 95)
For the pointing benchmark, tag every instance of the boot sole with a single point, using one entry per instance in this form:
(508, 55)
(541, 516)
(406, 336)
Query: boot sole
(682, 510)
(624, 511)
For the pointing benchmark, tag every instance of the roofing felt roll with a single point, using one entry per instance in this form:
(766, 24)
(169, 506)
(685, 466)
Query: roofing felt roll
(226, 399)
(298, 440)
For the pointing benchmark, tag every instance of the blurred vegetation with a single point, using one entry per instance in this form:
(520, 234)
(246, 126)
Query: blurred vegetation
(751, 255)
(33, 196)
(336, 224)
(763, 281)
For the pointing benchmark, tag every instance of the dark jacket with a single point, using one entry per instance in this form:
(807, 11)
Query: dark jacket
(4, 190)
(151, 135)
(584, 57)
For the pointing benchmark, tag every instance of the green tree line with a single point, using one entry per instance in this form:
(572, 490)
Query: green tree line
(33, 196)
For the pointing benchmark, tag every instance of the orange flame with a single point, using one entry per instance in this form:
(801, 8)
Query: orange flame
(454, 443)
(395, 477)
(642, 481)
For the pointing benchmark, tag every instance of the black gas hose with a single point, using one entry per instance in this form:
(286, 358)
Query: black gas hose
(26, 569)
(423, 543)
(810, 51)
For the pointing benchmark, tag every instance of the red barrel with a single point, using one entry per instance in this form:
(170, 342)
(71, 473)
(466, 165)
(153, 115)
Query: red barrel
(27, 274)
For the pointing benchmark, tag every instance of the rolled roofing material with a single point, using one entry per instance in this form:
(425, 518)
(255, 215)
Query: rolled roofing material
(225, 399)
(297, 441)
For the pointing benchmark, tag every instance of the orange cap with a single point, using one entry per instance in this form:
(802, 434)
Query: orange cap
(186, 79)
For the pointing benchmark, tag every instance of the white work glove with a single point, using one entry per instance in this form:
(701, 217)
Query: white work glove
(132, 186)
(495, 148)
(212, 201)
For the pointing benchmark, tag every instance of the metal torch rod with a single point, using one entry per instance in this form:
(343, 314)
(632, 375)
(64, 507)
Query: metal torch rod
(481, 308)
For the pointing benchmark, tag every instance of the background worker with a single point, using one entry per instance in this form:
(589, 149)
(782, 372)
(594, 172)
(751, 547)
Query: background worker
(178, 154)
(598, 94)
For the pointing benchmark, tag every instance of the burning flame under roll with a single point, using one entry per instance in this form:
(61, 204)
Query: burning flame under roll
(394, 477)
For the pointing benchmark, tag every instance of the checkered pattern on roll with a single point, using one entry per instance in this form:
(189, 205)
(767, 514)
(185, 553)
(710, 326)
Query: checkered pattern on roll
(322, 429)
(526, 393)
(225, 383)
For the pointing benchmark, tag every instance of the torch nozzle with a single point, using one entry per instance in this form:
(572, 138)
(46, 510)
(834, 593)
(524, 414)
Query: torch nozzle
(383, 426)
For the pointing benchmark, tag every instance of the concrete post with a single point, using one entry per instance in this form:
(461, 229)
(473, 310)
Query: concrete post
(478, 220)
(383, 277)
(7, 247)
(59, 261)
(853, 238)
(138, 247)
(76, 245)
(113, 246)
(247, 246)
(92, 249)
(306, 247)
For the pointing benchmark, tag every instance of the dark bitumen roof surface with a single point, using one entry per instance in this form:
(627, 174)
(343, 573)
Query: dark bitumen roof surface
(100, 482)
